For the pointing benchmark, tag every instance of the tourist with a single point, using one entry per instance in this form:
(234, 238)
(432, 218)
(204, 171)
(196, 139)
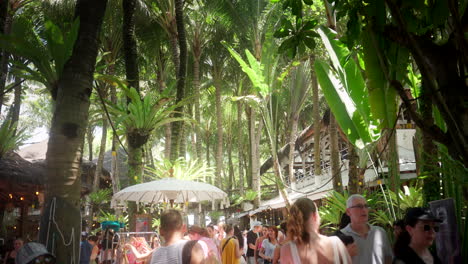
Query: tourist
(240, 239)
(307, 245)
(10, 256)
(252, 236)
(107, 247)
(230, 251)
(34, 253)
(276, 254)
(269, 244)
(373, 246)
(221, 233)
(258, 245)
(172, 229)
(88, 250)
(210, 249)
(412, 246)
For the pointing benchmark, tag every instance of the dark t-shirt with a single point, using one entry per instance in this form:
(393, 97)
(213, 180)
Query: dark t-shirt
(408, 256)
(85, 252)
(251, 238)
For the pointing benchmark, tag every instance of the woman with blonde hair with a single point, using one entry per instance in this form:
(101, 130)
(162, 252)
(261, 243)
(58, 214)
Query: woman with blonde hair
(307, 245)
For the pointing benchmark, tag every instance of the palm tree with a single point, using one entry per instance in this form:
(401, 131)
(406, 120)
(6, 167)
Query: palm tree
(64, 153)
(181, 74)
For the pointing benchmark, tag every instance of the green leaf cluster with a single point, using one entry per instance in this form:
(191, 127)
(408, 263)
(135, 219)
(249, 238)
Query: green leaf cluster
(345, 91)
(10, 137)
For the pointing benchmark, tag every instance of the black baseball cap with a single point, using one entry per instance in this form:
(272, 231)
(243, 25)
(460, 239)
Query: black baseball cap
(419, 213)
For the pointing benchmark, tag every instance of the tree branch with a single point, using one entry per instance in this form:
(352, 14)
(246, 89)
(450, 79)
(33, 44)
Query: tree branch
(434, 131)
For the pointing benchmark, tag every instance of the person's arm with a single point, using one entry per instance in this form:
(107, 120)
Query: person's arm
(198, 256)
(261, 253)
(238, 250)
(276, 255)
(255, 250)
(94, 252)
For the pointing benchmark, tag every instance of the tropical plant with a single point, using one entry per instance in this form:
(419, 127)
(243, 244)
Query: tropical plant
(101, 196)
(345, 91)
(333, 208)
(109, 216)
(142, 115)
(48, 50)
(237, 199)
(180, 169)
(10, 137)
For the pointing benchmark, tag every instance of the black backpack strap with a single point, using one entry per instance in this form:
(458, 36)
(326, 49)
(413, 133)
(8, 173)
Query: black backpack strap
(187, 251)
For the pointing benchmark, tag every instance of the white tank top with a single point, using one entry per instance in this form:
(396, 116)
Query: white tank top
(170, 254)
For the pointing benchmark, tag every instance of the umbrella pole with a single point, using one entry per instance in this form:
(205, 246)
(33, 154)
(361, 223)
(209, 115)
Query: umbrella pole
(172, 203)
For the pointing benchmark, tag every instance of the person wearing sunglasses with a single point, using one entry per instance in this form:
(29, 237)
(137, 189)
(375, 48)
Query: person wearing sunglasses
(373, 246)
(34, 253)
(412, 246)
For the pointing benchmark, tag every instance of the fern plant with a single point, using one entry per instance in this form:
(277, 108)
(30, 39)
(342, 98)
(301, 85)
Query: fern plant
(100, 196)
(180, 169)
(334, 207)
(10, 137)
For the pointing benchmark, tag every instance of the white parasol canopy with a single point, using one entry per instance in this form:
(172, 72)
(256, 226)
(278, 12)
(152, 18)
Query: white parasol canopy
(168, 189)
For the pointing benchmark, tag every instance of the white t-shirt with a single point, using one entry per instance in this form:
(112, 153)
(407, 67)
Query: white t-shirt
(269, 248)
(170, 254)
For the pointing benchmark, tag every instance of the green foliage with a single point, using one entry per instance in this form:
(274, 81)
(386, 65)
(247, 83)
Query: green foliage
(10, 137)
(101, 196)
(344, 89)
(180, 169)
(143, 115)
(109, 216)
(237, 199)
(155, 223)
(48, 49)
(333, 208)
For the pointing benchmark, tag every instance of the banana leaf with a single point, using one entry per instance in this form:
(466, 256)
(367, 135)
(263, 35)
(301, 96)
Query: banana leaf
(345, 91)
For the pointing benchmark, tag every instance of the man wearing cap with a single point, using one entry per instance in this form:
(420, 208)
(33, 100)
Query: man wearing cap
(252, 236)
(34, 252)
(412, 246)
(372, 241)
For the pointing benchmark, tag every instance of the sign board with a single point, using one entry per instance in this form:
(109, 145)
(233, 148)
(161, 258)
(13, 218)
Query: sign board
(447, 239)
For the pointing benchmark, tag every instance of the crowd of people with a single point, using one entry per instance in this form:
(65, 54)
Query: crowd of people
(297, 240)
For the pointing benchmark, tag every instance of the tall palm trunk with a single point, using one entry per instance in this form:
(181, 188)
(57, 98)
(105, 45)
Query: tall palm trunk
(335, 155)
(196, 48)
(134, 140)
(353, 174)
(102, 150)
(114, 149)
(6, 20)
(181, 74)
(292, 146)
(219, 130)
(317, 126)
(431, 186)
(61, 221)
(16, 108)
(240, 147)
(255, 154)
(90, 139)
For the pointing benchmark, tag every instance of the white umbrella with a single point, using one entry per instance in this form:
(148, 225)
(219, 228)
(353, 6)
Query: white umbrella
(170, 190)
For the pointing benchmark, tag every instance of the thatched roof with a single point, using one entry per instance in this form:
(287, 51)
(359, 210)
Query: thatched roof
(23, 178)
(15, 169)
